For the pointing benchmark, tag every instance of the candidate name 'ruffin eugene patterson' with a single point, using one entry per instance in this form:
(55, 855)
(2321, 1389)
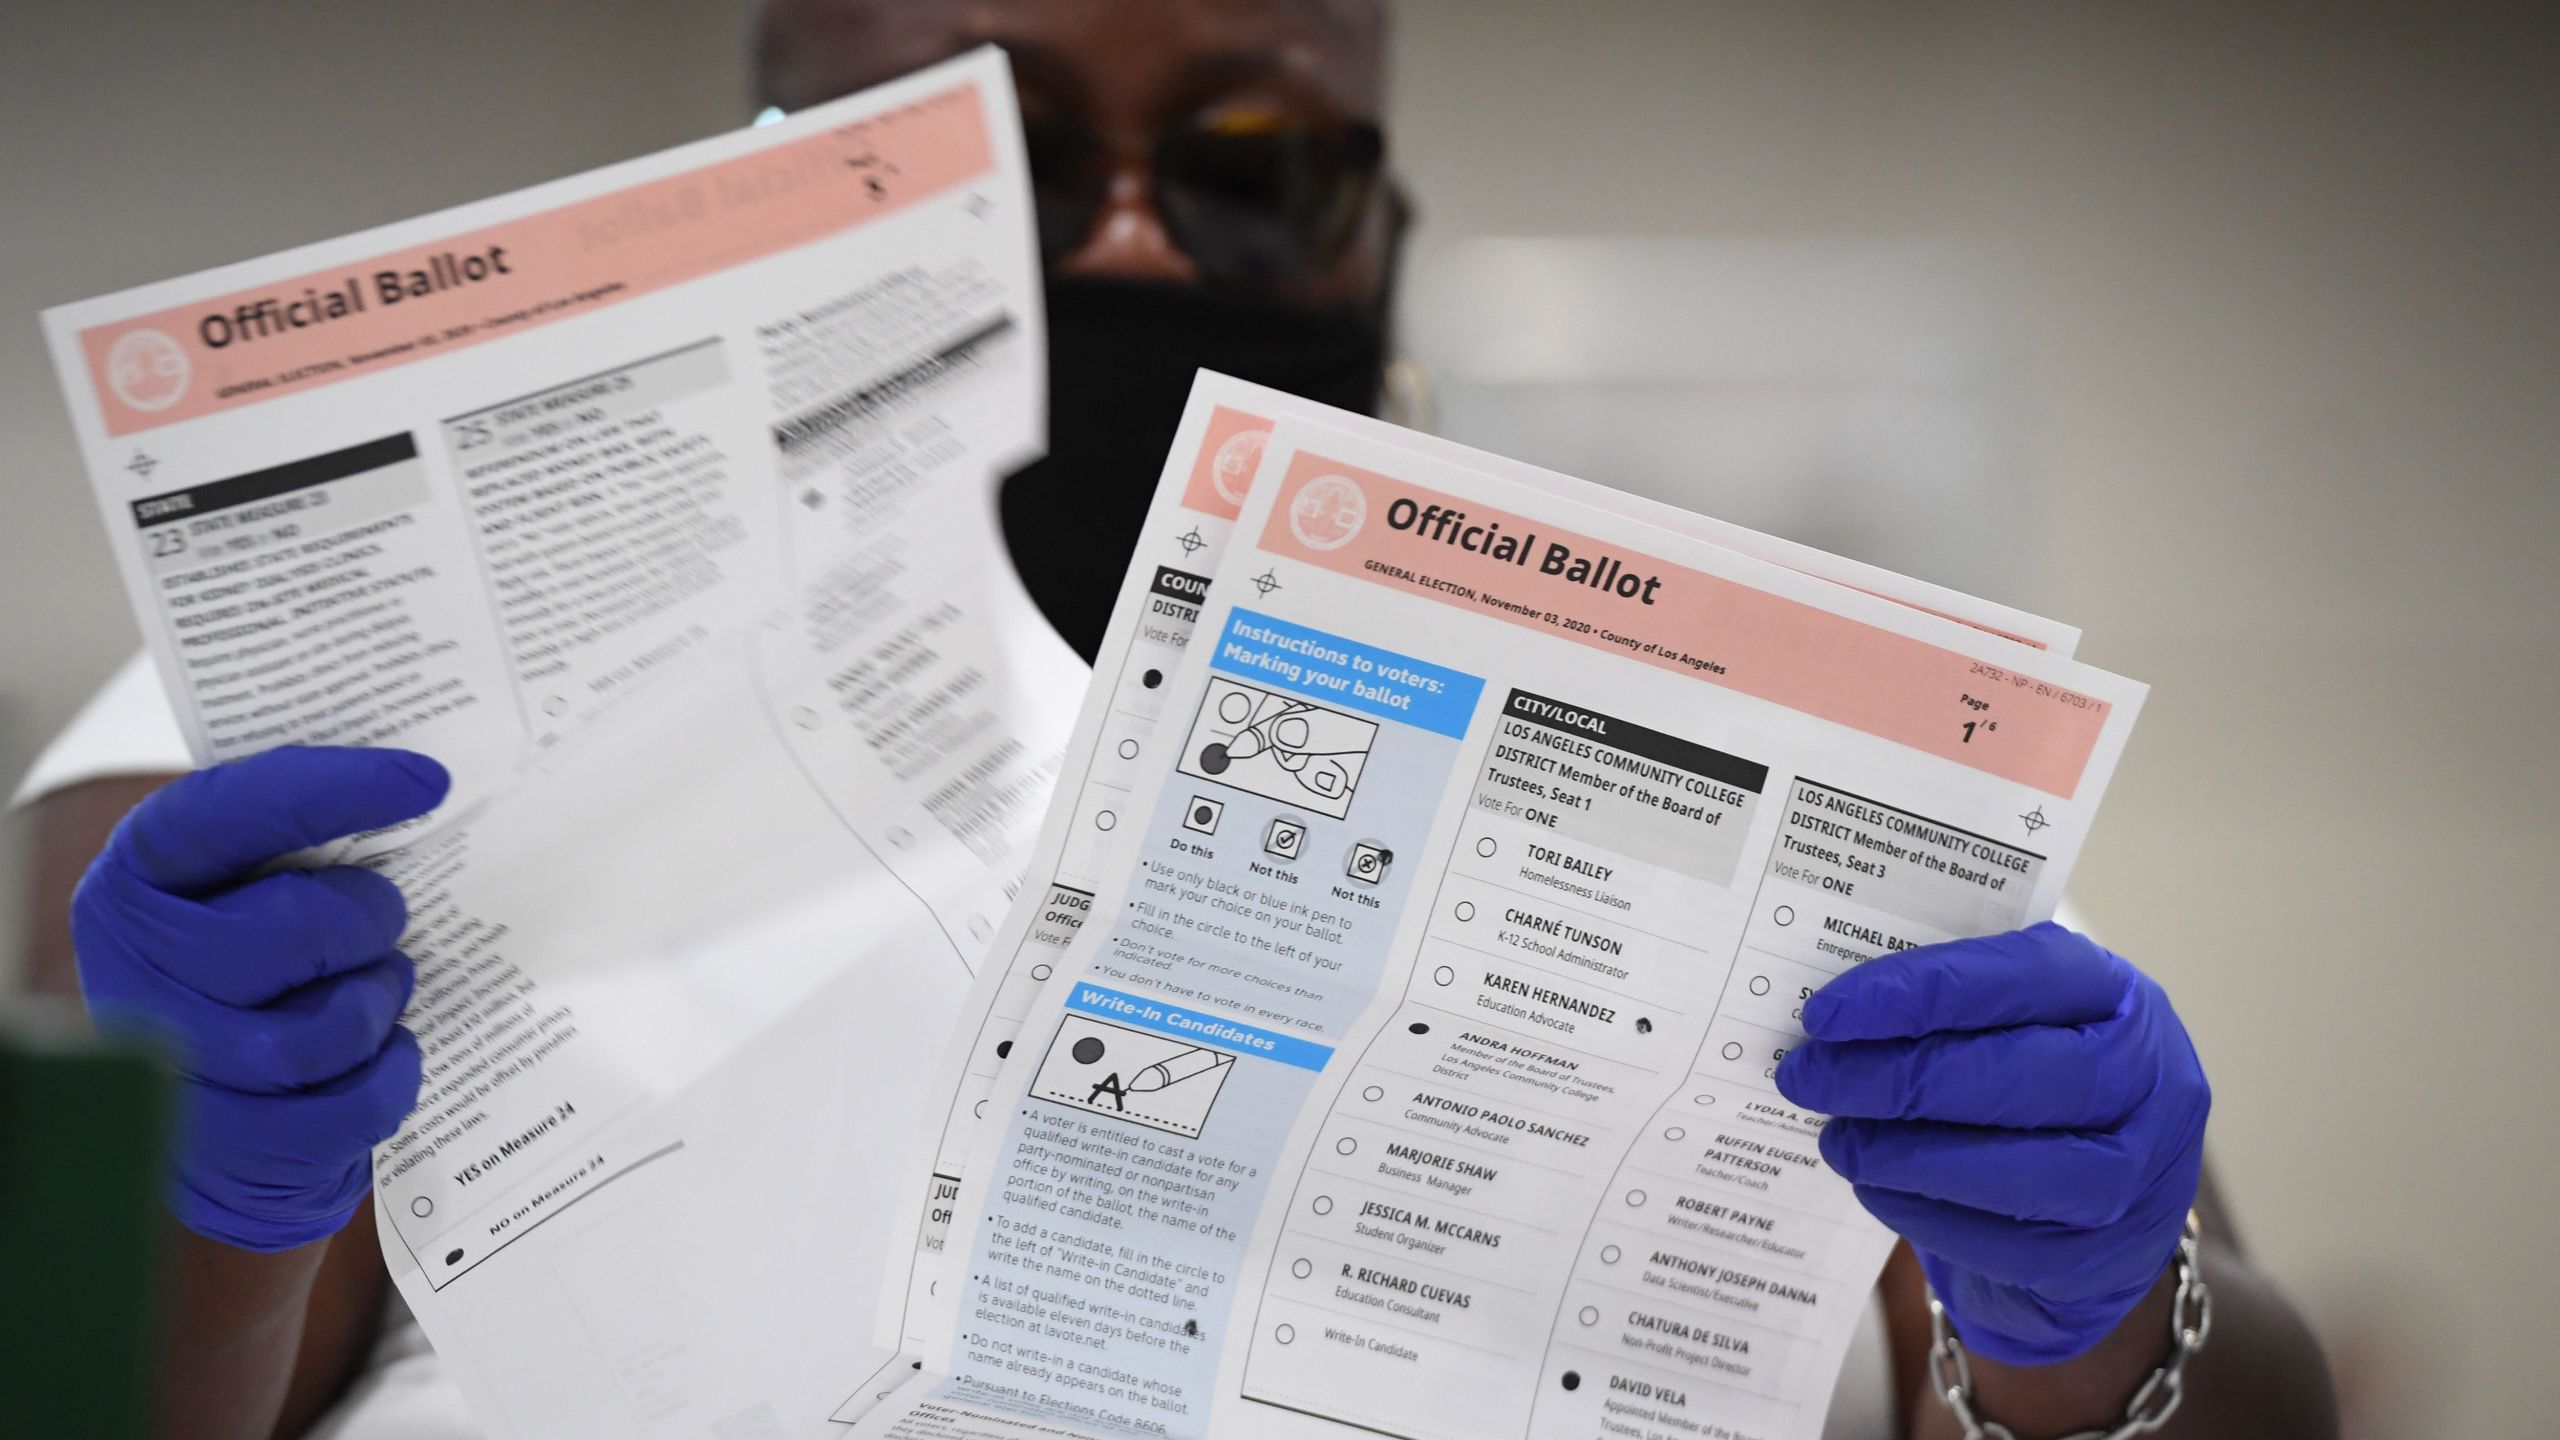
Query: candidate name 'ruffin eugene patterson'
(275, 314)
(1605, 573)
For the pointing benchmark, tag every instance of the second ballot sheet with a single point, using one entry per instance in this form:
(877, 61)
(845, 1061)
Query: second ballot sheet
(1413, 1073)
(658, 504)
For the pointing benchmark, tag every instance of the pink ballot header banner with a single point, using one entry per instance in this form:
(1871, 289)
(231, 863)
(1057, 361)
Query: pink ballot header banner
(1372, 527)
(350, 321)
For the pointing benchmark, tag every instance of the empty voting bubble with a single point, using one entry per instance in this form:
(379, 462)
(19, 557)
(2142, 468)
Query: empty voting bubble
(1087, 1050)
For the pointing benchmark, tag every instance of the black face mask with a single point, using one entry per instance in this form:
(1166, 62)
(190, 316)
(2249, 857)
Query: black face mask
(1121, 358)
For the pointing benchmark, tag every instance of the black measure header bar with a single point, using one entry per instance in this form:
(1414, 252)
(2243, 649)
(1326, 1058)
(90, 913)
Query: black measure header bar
(1180, 585)
(275, 480)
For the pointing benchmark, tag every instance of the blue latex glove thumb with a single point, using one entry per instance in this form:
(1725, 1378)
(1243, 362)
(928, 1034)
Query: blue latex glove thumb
(279, 995)
(2027, 1111)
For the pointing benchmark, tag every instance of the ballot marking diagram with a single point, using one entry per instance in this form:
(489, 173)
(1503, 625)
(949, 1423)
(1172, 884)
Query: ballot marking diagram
(1278, 746)
(1159, 1081)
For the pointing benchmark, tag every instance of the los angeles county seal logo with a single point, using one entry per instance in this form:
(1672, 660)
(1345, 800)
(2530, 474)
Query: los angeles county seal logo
(1328, 512)
(1231, 469)
(148, 370)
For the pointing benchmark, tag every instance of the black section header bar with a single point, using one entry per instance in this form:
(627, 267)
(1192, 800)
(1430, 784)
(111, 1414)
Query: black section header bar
(275, 480)
(1180, 585)
(1635, 739)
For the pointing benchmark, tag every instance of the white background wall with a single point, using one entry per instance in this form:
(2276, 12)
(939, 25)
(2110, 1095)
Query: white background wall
(2290, 289)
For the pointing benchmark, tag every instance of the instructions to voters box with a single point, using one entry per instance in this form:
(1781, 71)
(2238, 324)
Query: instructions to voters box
(657, 504)
(1216, 453)
(1412, 1069)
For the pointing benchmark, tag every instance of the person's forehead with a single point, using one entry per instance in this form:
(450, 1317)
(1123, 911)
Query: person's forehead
(812, 50)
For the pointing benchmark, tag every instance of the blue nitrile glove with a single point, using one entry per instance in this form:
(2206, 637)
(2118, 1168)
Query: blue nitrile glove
(2026, 1110)
(279, 995)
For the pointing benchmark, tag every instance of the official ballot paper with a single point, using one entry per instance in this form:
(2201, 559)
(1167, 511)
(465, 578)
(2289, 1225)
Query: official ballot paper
(1216, 451)
(1415, 1077)
(657, 504)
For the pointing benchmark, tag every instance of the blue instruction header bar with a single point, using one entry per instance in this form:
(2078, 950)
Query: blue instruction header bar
(1166, 1018)
(1345, 673)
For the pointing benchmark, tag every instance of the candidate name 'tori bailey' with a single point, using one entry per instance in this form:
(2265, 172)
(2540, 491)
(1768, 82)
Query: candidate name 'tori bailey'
(317, 305)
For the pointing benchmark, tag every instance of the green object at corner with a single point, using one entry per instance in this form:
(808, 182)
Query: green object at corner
(83, 1146)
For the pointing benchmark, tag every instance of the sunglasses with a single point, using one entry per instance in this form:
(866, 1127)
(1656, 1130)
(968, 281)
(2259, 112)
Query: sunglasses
(1259, 202)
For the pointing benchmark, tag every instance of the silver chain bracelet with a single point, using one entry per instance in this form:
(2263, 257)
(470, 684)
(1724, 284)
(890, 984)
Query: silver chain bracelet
(2190, 1322)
